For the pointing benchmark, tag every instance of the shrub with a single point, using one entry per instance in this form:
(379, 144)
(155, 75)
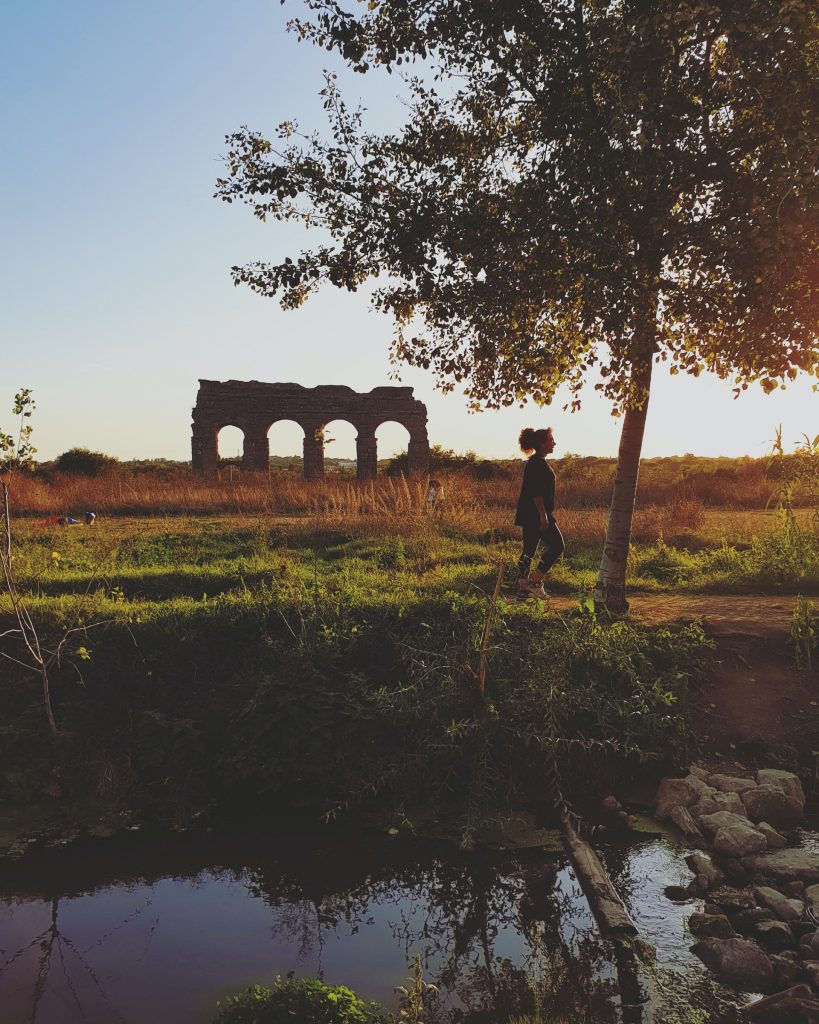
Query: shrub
(302, 1000)
(83, 462)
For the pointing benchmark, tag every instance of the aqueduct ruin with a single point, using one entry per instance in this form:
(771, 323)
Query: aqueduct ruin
(254, 407)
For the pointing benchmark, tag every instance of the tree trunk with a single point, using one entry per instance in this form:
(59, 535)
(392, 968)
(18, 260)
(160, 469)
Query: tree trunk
(610, 591)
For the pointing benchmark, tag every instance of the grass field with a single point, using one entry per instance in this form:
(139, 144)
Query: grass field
(219, 652)
(682, 547)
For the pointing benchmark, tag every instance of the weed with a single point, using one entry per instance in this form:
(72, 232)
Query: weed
(415, 995)
(804, 631)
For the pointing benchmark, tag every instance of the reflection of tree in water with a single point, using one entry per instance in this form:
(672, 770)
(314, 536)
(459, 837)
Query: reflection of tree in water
(57, 950)
(453, 912)
(500, 936)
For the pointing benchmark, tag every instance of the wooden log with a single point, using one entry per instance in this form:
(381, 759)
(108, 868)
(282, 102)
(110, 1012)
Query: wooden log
(609, 911)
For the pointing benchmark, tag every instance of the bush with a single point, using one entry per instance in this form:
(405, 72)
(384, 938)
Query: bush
(83, 462)
(302, 1000)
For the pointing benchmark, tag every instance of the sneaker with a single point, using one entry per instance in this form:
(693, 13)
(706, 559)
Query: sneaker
(537, 589)
(524, 588)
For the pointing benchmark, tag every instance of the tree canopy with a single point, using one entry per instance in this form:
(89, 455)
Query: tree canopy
(576, 184)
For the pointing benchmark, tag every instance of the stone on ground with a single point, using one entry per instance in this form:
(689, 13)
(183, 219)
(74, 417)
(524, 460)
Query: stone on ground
(776, 841)
(701, 864)
(786, 781)
(731, 783)
(714, 926)
(784, 908)
(681, 817)
(739, 840)
(673, 793)
(774, 935)
(739, 962)
(710, 823)
(782, 1008)
(774, 805)
(785, 865)
(812, 899)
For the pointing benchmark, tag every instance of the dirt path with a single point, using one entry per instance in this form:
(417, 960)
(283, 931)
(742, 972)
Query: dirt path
(751, 615)
(752, 705)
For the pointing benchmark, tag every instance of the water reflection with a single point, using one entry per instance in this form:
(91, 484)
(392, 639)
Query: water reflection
(129, 933)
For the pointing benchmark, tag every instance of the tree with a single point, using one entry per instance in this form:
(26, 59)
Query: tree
(578, 183)
(17, 453)
(83, 462)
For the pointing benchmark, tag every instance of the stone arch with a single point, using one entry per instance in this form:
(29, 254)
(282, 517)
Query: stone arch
(254, 406)
(389, 440)
(285, 433)
(230, 436)
(340, 439)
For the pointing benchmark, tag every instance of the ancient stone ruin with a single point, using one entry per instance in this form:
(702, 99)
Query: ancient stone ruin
(254, 407)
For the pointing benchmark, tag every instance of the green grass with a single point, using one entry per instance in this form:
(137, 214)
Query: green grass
(161, 559)
(213, 657)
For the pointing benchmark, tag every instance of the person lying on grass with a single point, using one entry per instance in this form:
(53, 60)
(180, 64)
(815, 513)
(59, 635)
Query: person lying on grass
(535, 512)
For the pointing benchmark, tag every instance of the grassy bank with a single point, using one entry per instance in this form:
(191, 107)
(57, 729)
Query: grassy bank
(330, 661)
(228, 665)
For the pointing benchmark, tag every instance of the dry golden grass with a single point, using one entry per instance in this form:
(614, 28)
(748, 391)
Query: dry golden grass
(387, 504)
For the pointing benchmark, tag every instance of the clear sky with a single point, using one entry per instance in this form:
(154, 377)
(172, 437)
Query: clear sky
(115, 290)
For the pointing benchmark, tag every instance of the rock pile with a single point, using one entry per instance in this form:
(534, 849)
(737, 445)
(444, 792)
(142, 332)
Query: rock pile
(759, 929)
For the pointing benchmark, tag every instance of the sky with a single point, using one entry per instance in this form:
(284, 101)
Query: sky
(115, 287)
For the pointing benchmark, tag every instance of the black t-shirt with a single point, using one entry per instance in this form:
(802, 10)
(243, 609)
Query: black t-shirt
(538, 482)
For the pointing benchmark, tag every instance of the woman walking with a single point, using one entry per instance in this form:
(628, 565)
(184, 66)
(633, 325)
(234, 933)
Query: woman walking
(535, 512)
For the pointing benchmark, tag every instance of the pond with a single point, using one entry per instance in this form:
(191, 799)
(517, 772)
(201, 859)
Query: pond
(158, 930)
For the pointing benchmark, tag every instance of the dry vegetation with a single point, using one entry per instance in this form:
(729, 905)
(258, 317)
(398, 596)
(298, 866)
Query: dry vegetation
(672, 491)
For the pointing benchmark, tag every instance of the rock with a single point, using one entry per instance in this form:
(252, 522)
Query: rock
(803, 928)
(812, 899)
(700, 885)
(775, 840)
(778, 808)
(708, 805)
(700, 786)
(785, 865)
(733, 899)
(786, 781)
(730, 802)
(673, 793)
(785, 909)
(735, 872)
(786, 970)
(737, 961)
(710, 823)
(678, 893)
(775, 935)
(747, 920)
(699, 773)
(739, 840)
(613, 814)
(681, 817)
(795, 889)
(701, 864)
(812, 973)
(781, 1008)
(730, 783)
(718, 802)
(806, 952)
(716, 926)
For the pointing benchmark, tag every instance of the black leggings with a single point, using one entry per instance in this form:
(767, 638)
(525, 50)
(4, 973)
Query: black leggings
(553, 547)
